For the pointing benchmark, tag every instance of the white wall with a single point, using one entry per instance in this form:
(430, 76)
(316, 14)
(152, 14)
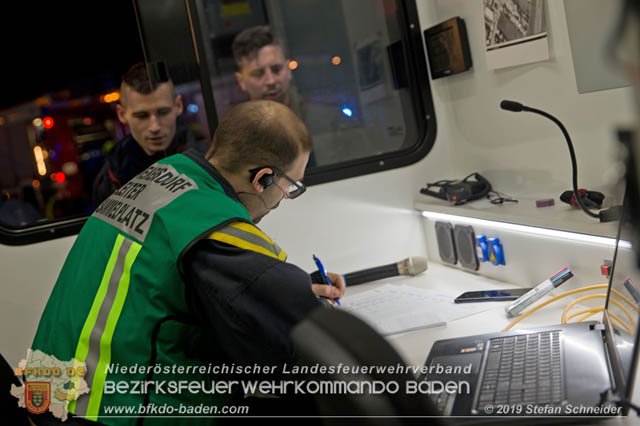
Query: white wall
(27, 277)
(486, 138)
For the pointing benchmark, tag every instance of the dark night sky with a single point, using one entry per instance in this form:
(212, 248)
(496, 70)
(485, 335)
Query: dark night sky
(77, 45)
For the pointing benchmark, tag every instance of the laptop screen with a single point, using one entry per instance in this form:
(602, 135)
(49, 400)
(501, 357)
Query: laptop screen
(622, 309)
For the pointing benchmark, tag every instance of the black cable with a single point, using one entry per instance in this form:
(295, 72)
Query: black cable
(441, 182)
(627, 403)
(470, 176)
(606, 396)
(500, 198)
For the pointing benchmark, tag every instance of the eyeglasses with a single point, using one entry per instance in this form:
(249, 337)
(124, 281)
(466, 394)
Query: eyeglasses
(295, 188)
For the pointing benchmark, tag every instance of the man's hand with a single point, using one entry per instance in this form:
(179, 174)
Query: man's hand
(333, 291)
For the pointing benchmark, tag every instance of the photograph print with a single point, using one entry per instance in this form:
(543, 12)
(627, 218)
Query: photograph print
(515, 32)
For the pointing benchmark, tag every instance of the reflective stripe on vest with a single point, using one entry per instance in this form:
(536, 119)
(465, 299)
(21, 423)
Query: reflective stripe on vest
(94, 346)
(248, 237)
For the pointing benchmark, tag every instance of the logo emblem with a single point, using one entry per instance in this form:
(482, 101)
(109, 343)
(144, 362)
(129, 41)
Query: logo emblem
(37, 396)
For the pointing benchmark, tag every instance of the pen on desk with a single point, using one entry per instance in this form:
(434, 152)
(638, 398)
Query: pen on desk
(323, 273)
(537, 292)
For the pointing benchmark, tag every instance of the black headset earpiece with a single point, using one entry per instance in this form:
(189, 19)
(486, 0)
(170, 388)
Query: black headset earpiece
(266, 180)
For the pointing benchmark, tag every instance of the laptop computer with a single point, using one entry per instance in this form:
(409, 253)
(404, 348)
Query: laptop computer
(583, 368)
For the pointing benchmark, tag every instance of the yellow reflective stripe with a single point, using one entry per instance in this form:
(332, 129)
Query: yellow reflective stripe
(105, 341)
(238, 242)
(83, 343)
(252, 229)
(282, 255)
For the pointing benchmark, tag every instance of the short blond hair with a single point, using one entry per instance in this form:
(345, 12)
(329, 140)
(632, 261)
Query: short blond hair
(259, 133)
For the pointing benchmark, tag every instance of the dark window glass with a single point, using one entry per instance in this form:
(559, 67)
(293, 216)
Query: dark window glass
(57, 114)
(338, 64)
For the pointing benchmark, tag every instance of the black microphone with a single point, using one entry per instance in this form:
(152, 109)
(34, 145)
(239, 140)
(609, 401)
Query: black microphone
(604, 215)
(511, 106)
(410, 266)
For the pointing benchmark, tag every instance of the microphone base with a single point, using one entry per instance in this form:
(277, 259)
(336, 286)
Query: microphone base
(611, 214)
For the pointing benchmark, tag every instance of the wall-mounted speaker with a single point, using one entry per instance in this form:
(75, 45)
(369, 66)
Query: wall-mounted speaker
(465, 241)
(446, 245)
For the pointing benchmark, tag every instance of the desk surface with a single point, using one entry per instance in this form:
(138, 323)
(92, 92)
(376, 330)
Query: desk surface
(414, 346)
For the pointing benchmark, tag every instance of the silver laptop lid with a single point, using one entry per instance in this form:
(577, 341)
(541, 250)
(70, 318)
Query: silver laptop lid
(621, 311)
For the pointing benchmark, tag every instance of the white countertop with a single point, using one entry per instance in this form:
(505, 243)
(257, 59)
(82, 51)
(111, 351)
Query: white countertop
(414, 346)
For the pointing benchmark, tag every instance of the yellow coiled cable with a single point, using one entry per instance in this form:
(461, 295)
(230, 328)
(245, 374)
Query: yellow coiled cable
(587, 312)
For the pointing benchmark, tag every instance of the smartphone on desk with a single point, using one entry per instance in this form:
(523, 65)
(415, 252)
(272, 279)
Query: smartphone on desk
(491, 295)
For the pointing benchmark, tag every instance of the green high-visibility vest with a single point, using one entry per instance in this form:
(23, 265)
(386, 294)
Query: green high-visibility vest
(120, 298)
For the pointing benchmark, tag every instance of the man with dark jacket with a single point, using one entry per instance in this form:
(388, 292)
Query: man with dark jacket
(151, 112)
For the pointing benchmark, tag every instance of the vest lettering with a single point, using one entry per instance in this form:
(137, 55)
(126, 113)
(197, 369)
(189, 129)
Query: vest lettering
(105, 207)
(127, 218)
(126, 208)
(172, 185)
(151, 173)
(155, 173)
(144, 219)
(131, 190)
(164, 178)
(120, 210)
(114, 209)
(138, 211)
(183, 186)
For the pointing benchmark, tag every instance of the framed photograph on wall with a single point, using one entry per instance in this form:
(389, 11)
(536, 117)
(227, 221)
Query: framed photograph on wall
(515, 32)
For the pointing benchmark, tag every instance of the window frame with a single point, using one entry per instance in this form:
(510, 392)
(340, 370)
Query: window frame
(419, 86)
(36, 233)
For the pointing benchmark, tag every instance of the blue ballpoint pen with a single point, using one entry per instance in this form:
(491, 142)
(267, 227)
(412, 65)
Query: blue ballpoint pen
(323, 273)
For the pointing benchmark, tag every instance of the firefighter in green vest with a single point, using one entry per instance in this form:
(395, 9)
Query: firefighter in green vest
(171, 280)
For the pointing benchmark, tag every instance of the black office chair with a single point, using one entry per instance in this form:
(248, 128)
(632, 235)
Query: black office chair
(8, 403)
(330, 337)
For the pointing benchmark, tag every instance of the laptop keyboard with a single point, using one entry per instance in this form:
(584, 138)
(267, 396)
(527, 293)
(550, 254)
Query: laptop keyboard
(524, 369)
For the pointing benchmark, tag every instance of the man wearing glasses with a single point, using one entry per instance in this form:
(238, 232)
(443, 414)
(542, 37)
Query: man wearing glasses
(171, 270)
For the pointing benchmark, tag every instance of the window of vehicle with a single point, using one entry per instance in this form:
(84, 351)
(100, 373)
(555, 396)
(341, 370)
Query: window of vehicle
(58, 119)
(354, 71)
(57, 112)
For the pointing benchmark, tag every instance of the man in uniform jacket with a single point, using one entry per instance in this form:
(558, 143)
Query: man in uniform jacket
(171, 271)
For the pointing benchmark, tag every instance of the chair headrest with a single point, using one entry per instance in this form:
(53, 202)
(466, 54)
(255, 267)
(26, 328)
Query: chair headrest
(333, 337)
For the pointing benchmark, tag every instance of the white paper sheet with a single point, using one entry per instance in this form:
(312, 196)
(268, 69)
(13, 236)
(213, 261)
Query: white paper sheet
(393, 309)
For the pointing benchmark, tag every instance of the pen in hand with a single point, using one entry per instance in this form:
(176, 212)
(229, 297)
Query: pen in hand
(323, 273)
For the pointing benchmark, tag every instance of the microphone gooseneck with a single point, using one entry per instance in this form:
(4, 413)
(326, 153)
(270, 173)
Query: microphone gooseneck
(517, 107)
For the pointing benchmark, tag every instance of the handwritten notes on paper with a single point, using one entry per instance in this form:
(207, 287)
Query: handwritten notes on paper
(392, 309)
